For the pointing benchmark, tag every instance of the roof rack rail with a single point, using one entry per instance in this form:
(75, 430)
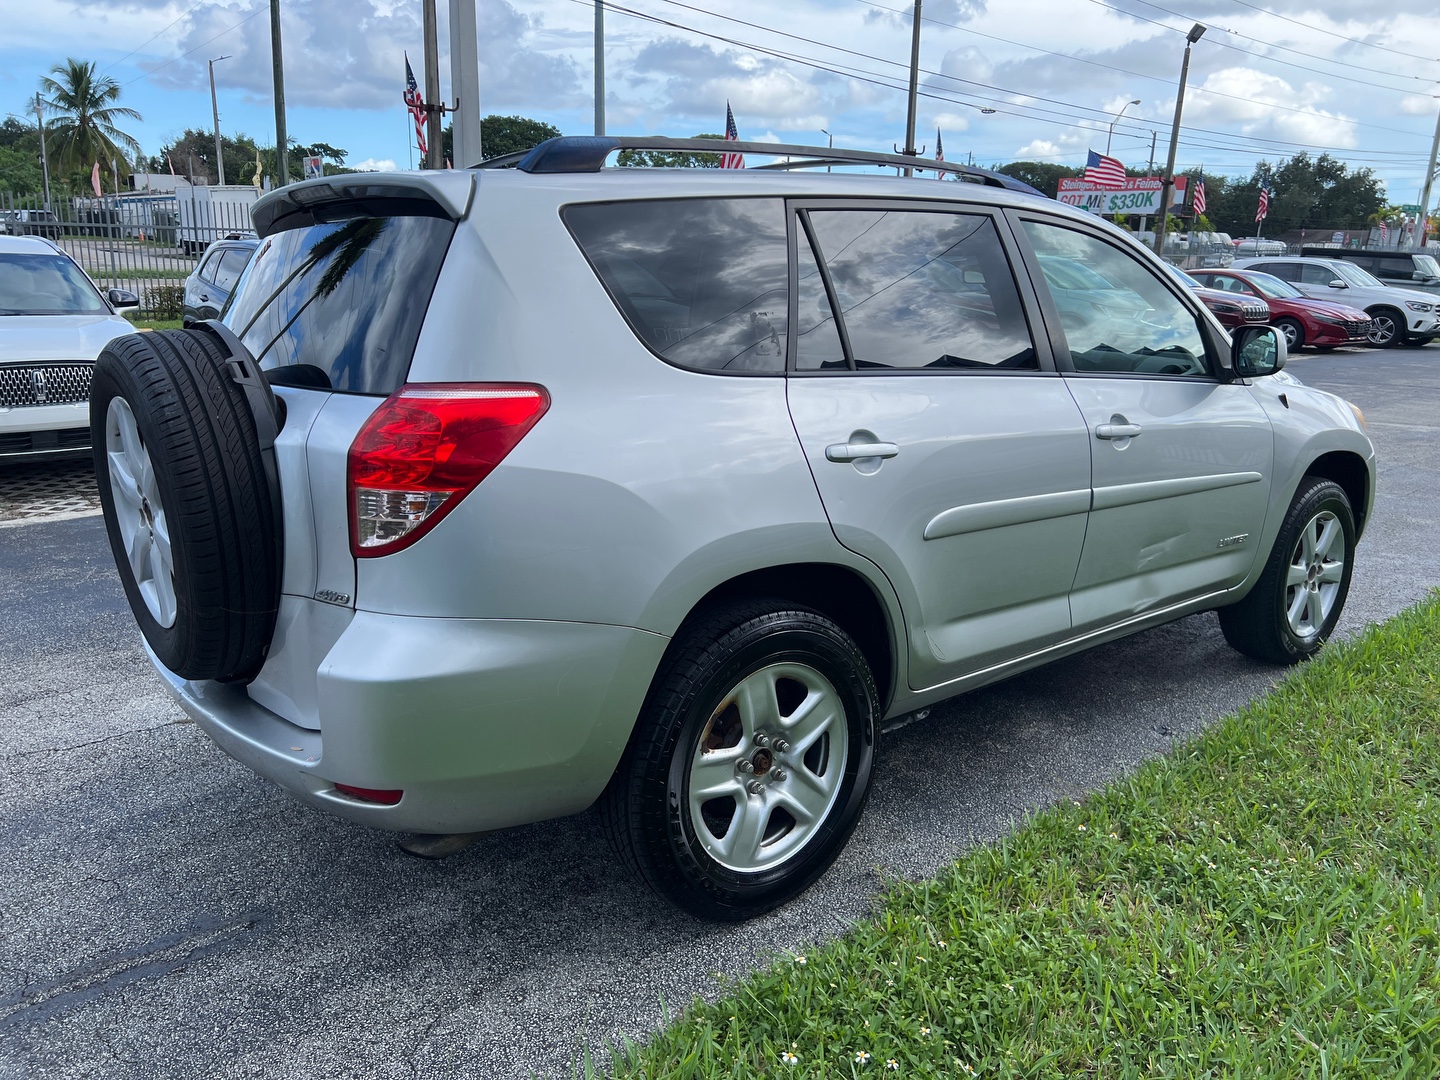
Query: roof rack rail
(587, 153)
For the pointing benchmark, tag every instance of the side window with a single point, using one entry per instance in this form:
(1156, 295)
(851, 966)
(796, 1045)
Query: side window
(232, 264)
(209, 266)
(1314, 274)
(1134, 324)
(702, 282)
(817, 337)
(919, 289)
(1285, 271)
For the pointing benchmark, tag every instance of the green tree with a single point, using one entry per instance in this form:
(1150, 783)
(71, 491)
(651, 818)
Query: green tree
(662, 159)
(500, 135)
(82, 129)
(20, 172)
(1040, 175)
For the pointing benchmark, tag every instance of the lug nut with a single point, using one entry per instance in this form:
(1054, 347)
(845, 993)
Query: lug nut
(780, 746)
(761, 739)
(745, 765)
(777, 774)
(754, 787)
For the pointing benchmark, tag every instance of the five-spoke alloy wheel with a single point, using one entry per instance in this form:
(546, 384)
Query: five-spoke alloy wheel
(139, 512)
(750, 763)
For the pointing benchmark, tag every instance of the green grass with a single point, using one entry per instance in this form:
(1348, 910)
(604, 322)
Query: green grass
(1264, 901)
(123, 274)
(152, 324)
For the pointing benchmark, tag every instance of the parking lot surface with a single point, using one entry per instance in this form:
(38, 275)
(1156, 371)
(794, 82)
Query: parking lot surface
(164, 912)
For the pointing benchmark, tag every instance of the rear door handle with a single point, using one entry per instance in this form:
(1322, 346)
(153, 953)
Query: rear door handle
(855, 451)
(1117, 431)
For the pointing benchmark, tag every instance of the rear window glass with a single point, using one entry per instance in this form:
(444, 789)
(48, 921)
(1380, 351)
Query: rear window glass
(343, 298)
(702, 282)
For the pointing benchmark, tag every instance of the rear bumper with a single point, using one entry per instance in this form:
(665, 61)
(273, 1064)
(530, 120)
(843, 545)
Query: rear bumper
(482, 723)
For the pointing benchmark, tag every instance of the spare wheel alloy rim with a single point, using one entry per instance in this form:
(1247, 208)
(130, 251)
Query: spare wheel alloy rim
(1312, 580)
(139, 513)
(768, 767)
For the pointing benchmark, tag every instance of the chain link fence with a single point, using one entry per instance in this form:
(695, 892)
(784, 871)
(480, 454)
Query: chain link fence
(145, 243)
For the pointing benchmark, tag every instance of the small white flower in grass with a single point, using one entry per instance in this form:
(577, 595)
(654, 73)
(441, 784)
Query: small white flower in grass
(941, 944)
(800, 960)
(1080, 828)
(866, 1023)
(1008, 986)
(924, 1032)
(862, 1057)
(889, 982)
(788, 1058)
(967, 1069)
(892, 1064)
(1209, 865)
(1114, 836)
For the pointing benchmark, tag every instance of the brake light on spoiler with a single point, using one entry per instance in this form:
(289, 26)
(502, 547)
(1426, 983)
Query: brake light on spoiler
(424, 450)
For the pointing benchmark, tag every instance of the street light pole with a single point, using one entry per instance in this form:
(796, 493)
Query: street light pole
(44, 159)
(282, 138)
(1429, 183)
(1111, 136)
(434, 107)
(215, 112)
(1167, 188)
(914, 86)
(831, 144)
(599, 67)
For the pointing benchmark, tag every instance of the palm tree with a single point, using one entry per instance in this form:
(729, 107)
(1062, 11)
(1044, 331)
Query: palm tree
(83, 131)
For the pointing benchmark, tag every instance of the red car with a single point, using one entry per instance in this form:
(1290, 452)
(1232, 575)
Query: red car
(1303, 321)
(1232, 310)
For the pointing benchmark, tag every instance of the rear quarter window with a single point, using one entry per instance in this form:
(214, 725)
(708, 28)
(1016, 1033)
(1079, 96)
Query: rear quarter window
(702, 282)
(345, 298)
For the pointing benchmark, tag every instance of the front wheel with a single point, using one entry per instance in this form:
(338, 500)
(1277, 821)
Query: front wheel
(1293, 331)
(1387, 327)
(1293, 608)
(751, 761)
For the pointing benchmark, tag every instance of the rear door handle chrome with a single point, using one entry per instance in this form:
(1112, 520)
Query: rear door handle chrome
(856, 451)
(1117, 431)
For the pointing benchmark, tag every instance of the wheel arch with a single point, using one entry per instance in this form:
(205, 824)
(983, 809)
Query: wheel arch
(1347, 469)
(841, 593)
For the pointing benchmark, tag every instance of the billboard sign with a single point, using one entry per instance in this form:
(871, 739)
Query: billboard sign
(1139, 195)
(314, 168)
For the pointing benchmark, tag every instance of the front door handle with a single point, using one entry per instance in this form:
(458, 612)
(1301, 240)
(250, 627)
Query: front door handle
(855, 451)
(1117, 431)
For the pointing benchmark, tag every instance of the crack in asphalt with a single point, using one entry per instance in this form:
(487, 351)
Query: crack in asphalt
(103, 739)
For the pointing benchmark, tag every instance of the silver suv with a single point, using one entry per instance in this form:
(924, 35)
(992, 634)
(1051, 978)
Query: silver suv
(503, 492)
(1396, 315)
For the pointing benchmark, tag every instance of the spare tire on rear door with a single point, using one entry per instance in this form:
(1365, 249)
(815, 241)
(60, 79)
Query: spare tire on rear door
(183, 427)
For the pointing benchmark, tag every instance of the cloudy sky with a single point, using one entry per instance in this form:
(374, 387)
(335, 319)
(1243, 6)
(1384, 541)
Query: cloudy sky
(1269, 79)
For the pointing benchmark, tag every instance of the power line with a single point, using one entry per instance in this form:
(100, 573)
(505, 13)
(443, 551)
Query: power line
(197, 48)
(153, 36)
(1071, 118)
(1332, 33)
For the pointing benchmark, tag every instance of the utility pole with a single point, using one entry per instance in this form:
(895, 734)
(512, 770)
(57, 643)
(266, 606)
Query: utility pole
(434, 107)
(914, 87)
(44, 159)
(215, 112)
(1110, 137)
(1429, 183)
(465, 83)
(1153, 136)
(599, 67)
(282, 138)
(1167, 188)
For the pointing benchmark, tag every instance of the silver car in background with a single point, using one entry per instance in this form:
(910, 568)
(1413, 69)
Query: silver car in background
(500, 493)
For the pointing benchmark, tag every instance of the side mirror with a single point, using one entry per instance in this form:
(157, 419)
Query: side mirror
(1257, 351)
(122, 298)
(1336, 283)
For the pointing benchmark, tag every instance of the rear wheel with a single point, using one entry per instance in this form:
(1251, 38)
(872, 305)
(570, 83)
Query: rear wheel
(1387, 326)
(750, 764)
(1293, 331)
(1293, 608)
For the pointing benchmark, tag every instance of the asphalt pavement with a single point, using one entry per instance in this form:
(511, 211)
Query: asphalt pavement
(166, 913)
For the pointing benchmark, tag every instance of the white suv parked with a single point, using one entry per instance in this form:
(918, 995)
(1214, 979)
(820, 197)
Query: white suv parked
(665, 488)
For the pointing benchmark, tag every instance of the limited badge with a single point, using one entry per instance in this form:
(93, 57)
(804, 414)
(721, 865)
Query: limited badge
(1231, 541)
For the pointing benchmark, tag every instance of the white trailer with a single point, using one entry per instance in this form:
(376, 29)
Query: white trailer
(209, 213)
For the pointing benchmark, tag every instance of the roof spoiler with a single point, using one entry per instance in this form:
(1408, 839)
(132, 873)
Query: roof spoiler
(447, 191)
(587, 153)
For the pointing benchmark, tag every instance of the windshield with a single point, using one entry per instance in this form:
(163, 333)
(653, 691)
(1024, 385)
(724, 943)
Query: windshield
(46, 285)
(1352, 274)
(1271, 287)
(1428, 264)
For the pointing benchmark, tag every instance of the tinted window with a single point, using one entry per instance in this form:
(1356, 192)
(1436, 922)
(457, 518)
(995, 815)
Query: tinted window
(1285, 271)
(1319, 274)
(921, 289)
(817, 339)
(703, 282)
(209, 266)
(232, 263)
(1137, 325)
(347, 297)
(45, 285)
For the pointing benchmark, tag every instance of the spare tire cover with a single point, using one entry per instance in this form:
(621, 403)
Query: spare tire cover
(191, 503)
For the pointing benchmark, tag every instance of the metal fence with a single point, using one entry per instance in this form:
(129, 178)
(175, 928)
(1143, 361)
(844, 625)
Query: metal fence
(145, 243)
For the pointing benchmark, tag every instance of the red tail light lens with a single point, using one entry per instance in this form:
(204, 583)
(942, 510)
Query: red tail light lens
(424, 450)
(375, 795)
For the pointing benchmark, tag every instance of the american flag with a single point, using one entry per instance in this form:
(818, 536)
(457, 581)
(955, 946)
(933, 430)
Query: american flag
(731, 161)
(939, 147)
(416, 104)
(1102, 171)
(1384, 232)
(1263, 210)
(1199, 202)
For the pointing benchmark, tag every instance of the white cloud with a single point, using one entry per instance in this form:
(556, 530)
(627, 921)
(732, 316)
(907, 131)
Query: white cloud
(1039, 150)
(371, 164)
(1417, 105)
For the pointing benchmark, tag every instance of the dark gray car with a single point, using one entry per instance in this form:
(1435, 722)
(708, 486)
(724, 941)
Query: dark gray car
(210, 285)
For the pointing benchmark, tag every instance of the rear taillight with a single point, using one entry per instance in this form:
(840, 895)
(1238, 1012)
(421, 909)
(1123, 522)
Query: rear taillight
(369, 794)
(424, 449)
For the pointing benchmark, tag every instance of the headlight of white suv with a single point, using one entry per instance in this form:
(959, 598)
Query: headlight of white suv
(1416, 305)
